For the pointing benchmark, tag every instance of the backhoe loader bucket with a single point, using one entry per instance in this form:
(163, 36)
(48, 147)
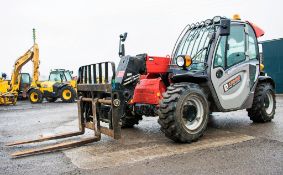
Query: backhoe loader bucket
(99, 101)
(8, 98)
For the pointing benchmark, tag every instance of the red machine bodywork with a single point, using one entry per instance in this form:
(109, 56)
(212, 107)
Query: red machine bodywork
(258, 31)
(149, 91)
(157, 65)
(151, 87)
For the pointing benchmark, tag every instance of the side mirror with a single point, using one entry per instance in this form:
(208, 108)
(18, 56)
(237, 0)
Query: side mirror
(123, 37)
(225, 27)
(121, 44)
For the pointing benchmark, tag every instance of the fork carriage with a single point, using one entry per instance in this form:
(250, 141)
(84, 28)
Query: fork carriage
(99, 101)
(100, 98)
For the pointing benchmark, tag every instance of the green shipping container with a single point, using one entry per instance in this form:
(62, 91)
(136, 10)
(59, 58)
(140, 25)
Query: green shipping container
(273, 61)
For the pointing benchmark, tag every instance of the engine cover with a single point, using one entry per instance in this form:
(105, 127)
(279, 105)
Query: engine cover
(149, 91)
(157, 65)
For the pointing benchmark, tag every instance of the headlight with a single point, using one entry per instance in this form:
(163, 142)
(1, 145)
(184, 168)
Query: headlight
(180, 61)
(184, 61)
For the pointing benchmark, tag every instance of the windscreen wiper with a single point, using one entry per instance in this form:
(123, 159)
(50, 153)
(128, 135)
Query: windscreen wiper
(199, 52)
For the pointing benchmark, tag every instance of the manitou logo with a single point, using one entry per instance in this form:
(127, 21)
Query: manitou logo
(232, 83)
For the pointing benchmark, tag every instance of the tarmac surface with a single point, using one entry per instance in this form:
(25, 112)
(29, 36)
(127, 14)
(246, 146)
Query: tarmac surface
(232, 144)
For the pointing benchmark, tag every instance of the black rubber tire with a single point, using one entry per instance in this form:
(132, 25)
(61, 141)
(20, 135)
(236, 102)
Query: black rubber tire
(170, 117)
(130, 120)
(51, 99)
(257, 112)
(39, 96)
(73, 94)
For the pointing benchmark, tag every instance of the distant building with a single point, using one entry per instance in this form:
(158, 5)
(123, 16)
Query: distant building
(273, 61)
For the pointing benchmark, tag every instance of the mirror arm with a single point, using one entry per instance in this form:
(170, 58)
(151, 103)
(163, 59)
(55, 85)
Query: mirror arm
(120, 48)
(121, 44)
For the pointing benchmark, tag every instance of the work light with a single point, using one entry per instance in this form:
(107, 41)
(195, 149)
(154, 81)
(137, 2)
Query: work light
(180, 61)
(216, 19)
(184, 61)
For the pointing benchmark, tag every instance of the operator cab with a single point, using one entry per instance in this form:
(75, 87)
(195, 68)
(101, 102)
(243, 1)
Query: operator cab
(60, 75)
(223, 53)
(25, 82)
(25, 79)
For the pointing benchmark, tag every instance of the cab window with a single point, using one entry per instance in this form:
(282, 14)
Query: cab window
(236, 46)
(231, 50)
(219, 58)
(55, 77)
(252, 44)
(68, 76)
(63, 78)
(25, 78)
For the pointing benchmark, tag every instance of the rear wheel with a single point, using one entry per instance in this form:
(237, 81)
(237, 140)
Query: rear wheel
(264, 104)
(130, 120)
(183, 113)
(35, 96)
(67, 94)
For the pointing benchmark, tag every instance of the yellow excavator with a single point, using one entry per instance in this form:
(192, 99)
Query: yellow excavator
(9, 91)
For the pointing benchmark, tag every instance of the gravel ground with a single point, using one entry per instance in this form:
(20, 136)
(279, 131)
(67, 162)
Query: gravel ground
(231, 145)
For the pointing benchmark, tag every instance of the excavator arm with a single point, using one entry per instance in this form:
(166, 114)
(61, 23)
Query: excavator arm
(36, 62)
(32, 54)
(20, 62)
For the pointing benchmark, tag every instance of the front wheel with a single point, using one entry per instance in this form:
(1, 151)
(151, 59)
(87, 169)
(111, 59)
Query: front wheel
(264, 104)
(183, 113)
(67, 94)
(35, 96)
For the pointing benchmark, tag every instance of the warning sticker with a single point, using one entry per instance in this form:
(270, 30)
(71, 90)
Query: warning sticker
(120, 74)
(232, 83)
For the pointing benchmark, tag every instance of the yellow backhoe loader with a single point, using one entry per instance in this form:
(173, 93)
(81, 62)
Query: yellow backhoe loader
(9, 91)
(60, 84)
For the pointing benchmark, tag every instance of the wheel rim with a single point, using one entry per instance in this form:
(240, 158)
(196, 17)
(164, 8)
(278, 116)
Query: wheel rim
(268, 103)
(192, 113)
(34, 97)
(67, 94)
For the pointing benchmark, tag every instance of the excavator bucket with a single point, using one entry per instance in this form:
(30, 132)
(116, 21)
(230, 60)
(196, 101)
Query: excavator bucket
(99, 109)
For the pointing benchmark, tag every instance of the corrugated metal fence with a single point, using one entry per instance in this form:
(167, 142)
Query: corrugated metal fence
(273, 61)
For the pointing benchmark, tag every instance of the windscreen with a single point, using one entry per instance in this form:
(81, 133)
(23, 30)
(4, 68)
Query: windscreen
(195, 43)
(25, 78)
(55, 76)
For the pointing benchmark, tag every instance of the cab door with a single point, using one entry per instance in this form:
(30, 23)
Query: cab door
(235, 67)
(25, 82)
